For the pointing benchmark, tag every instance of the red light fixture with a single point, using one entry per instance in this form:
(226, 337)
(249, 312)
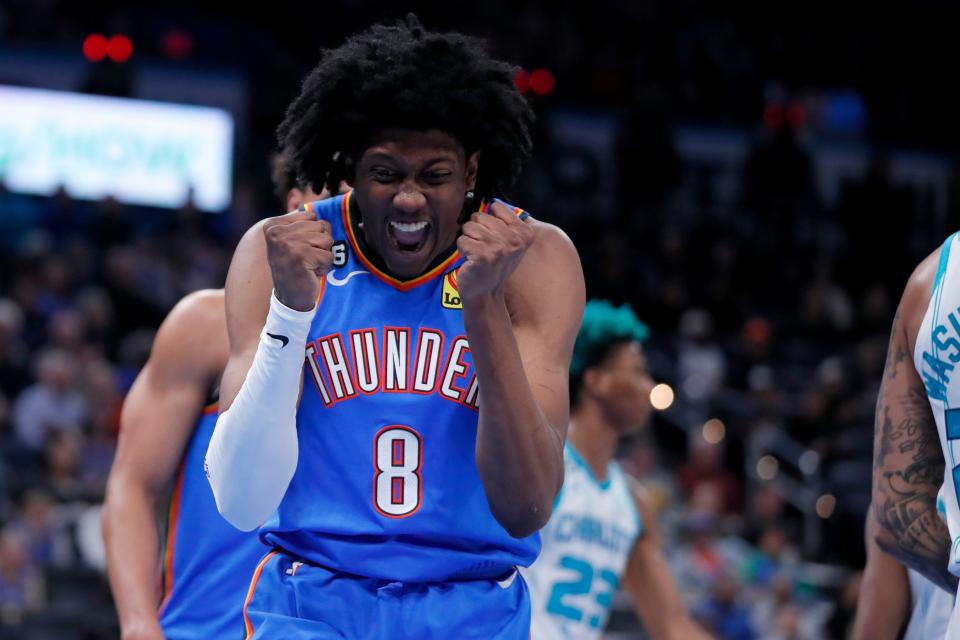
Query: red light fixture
(522, 81)
(119, 48)
(177, 44)
(796, 115)
(94, 47)
(773, 116)
(542, 82)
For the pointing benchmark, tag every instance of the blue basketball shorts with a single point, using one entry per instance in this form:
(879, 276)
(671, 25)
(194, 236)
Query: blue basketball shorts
(293, 600)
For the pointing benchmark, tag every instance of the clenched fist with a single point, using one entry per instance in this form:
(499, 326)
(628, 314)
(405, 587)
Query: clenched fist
(493, 244)
(299, 254)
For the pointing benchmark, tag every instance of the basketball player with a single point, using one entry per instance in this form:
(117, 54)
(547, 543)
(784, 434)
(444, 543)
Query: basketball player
(890, 593)
(404, 486)
(917, 422)
(207, 563)
(602, 530)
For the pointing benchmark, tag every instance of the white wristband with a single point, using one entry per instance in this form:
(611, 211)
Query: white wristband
(253, 451)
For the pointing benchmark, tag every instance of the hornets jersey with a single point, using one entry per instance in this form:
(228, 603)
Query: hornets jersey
(936, 352)
(386, 485)
(207, 563)
(930, 611)
(935, 356)
(586, 546)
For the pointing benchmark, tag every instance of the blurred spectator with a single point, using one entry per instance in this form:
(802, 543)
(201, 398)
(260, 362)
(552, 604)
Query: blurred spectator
(21, 587)
(725, 614)
(705, 468)
(13, 351)
(63, 467)
(827, 309)
(701, 363)
(43, 526)
(53, 403)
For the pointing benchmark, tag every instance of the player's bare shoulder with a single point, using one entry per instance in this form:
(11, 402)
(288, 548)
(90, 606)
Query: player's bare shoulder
(550, 242)
(916, 296)
(196, 331)
(550, 276)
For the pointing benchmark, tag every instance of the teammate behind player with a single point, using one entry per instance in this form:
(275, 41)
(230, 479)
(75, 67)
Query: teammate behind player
(207, 563)
(917, 424)
(602, 530)
(408, 481)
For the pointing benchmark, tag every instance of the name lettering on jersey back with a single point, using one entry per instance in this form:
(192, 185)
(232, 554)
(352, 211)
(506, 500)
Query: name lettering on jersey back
(400, 360)
(591, 531)
(938, 363)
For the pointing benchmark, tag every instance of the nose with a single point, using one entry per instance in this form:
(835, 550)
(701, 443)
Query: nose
(409, 199)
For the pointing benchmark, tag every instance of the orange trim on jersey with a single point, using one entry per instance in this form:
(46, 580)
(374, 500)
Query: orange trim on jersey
(323, 287)
(211, 409)
(253, 586)
(402, 285)
(173, 517)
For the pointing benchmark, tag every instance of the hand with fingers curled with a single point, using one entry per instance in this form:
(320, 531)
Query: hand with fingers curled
(299, 251)
(493, 244)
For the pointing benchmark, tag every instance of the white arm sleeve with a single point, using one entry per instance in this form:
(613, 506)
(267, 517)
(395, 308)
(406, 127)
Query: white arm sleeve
(253, 451)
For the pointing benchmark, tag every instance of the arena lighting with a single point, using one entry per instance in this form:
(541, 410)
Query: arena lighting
(796, 115)
(95, 47)
(119, 48)
(773, 116)
(661, 397)
(542, 82)
(826, 505)
(809, 461)
(177, 44)
(714, 431)
(522, 81)
(767, 467)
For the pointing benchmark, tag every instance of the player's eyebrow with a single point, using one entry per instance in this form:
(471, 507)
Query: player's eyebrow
(440, 156)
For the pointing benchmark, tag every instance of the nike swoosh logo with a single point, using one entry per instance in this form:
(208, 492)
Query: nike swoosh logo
(339, 282)
(283, 339)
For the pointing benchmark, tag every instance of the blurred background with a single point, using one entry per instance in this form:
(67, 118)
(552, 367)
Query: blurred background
(758, 181)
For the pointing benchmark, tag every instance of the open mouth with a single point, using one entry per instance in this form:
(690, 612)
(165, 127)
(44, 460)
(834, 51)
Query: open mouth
(408, 236)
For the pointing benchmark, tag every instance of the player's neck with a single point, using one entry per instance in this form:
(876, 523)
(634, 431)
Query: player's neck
(593, 437)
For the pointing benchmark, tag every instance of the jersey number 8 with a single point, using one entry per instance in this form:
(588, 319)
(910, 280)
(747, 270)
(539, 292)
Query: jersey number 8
(397, 485)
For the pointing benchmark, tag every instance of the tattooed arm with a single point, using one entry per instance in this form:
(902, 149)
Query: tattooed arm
(908, 461)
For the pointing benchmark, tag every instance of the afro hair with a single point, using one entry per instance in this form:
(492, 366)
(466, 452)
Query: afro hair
(406, 77)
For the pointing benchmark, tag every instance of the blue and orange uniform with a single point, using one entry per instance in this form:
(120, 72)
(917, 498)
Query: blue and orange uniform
(385, 529)
(206, 563)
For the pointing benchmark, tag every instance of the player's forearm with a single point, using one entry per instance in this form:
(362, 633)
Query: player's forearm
(253, 451)
(686, 629)
(881, 608)
(883, 605)
(519, 454)
(910, 530)
(132, 549)
(908, 468)
(656, 601)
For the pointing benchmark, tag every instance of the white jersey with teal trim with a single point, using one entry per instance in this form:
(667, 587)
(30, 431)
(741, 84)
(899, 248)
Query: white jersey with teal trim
(586, 546)
(931, 609)
(936, 355)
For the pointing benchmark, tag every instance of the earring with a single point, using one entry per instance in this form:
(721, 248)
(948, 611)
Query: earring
(469, 195)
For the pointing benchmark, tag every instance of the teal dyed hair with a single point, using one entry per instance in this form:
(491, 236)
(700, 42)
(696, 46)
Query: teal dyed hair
(603, 325)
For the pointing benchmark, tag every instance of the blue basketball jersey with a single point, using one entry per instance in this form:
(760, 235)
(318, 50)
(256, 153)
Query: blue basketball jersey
(386, 485)
(207, 563)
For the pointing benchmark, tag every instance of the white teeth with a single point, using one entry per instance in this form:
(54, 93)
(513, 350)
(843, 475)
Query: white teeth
(408, 227)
